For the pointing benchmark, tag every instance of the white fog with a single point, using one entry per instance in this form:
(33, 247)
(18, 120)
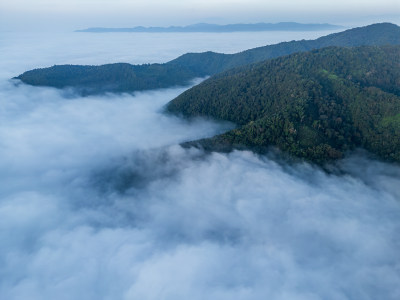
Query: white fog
(99, 201)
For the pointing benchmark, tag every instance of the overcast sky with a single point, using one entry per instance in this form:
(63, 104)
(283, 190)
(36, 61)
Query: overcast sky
(72, 14)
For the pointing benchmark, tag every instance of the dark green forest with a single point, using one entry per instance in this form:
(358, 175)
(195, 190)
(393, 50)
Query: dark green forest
(116, 78)
(122, 77)
(314, 105)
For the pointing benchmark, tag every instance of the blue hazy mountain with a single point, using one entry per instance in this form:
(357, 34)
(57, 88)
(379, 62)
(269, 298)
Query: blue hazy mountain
(205, 27)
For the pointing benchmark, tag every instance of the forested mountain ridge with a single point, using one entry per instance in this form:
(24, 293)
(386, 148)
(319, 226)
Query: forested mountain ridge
(117, 78)
(314, 105)
(123, 77)
(210, 63)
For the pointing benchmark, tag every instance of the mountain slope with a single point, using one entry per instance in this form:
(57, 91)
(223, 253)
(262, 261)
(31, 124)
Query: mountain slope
(315, 105)
(129, 78)
(213, 63)
(117, 78)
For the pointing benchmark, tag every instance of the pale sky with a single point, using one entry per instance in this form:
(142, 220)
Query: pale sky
(77, 14)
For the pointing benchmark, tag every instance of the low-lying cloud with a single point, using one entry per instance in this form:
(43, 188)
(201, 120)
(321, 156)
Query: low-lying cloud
(98, 201)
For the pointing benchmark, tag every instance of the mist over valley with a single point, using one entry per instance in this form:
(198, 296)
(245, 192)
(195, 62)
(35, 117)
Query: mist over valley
(100, 201)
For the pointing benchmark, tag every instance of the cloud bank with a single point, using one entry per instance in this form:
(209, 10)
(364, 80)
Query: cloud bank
(98, 201)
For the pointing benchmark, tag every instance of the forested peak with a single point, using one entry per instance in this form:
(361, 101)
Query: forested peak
(376, 34)
(315, 105)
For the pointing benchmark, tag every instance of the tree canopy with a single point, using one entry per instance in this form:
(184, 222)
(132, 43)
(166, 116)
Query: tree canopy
(315, 105)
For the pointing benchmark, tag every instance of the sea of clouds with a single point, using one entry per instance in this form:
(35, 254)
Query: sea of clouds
(99, 201)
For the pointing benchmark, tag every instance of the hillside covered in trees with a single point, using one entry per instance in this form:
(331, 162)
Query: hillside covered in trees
(315, 105)
(123, 77)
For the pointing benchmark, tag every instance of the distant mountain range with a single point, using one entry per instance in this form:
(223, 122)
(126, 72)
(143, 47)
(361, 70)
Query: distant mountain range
(204, 27)
(123, 77)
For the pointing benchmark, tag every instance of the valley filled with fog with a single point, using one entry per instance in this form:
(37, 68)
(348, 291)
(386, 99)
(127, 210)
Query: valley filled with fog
(99, 201)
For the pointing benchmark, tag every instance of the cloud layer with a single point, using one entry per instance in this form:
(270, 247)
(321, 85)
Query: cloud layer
(98, 201)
